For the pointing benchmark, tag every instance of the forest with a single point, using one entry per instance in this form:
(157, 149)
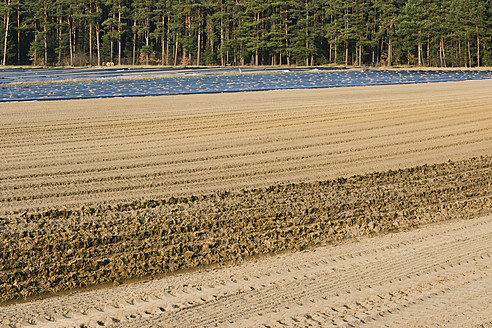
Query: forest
(443, 33)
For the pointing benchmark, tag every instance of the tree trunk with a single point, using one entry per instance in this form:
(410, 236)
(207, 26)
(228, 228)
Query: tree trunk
(460, 56)
(98, 47)
(211, 39)
(168, 41)
(346, 53)
(45, 35)
(183, 57)
(442, 53)
(134, 42)
(381, 52)
(7, 23)
(469, 54)
(356, 62)
(390, 53)
(111, 43)
(45, 47)
(307, 33)
(18, 36)
(346, 37)
(336, 53)
(176, 51)
(59, 39)
(90, 44)
(241, 56)
(227, 50)
(199, 48)
(286, 40)
(70, 40)
(163, 50)
(147, 37)
(163, 55)
(119, 37)
(329, 60)
(147, 49)
(257, 17)
(478, 48)
(35, 41)
(221, 42)
(465, 55)
(360, 55)
(97, 39)
(428, 49)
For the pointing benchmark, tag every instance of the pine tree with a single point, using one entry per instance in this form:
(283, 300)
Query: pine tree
(5, 11)
(307, 32)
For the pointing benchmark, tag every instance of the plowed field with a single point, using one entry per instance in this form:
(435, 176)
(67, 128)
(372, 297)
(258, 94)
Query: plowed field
(108, 190)
(435, 276)
(69, 153)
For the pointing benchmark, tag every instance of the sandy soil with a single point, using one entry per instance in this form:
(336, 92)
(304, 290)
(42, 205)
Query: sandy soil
(68, 153)
(109, 190)
(436, 276)
(55, 251)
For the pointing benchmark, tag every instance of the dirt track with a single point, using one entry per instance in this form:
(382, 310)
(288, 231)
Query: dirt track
(68, 153)
(436, 276)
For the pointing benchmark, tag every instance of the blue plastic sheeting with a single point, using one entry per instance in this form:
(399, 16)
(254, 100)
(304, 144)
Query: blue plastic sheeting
(19, 75)
(230, 83)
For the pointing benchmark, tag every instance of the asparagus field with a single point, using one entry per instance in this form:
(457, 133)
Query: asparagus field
(102, 191)
(70, 153)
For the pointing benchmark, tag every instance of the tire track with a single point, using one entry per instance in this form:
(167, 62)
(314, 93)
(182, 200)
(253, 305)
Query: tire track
(266, 300)
(340, 255)
(207, 179)
(57, 156)
(315, 137)
(356, 284)
(183, 156)
(196, 127)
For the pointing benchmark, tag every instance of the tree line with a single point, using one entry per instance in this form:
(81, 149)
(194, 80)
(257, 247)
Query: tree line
(247, 32)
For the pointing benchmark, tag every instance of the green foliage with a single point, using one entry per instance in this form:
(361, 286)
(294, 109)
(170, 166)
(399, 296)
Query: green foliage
(248, 32)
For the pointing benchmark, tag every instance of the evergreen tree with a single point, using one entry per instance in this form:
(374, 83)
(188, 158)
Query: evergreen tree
(242, 32)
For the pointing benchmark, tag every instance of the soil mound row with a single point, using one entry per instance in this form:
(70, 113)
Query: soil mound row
(59, 250)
